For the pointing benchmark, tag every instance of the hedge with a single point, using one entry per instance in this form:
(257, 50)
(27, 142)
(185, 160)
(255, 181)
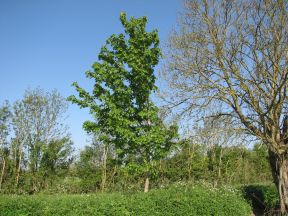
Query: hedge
(172, 201)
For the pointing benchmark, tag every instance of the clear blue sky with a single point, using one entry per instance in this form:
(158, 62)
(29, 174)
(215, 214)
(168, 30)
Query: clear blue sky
(51, 43)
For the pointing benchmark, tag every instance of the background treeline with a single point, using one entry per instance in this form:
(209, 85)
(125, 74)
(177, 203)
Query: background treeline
(35, 148)
(37, 155)
(190, 163)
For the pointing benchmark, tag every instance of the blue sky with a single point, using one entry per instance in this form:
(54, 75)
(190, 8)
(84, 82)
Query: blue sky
(51, 43)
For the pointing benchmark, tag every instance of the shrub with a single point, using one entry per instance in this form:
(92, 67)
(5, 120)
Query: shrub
(171, 201)
(261, 196)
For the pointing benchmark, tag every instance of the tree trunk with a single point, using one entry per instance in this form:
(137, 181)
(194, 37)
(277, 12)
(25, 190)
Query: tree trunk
(2, 172)
(220, 164)
(279, 166)
(111, 182)
(104, 168)
(18, 170)
(190, 159)
(283, 187)
(146, 186)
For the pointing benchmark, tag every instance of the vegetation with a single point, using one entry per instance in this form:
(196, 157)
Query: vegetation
(173, 201)
(263, 198)
(227, 69)
(125, 116)
(40, 148)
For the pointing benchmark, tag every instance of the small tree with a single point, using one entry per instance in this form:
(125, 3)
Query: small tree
(120, 101)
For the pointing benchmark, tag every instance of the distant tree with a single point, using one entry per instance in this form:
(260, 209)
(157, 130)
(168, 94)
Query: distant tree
(5, 117)
(189, 163)
(88, 169)
(120, 102)
(216, 134)
(233, 55)
(261, 161)
(105, 153)
(55, 161)
(40, 134)
(95, 165)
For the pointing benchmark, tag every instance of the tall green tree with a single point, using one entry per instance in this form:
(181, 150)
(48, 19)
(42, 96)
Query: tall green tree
(120, 102)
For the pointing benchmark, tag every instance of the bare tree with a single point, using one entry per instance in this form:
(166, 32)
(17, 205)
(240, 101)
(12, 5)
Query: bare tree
(234, 54)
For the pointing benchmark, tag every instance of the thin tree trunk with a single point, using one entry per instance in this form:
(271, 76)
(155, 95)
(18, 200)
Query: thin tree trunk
(191, 155)
(279, 166)
(146, 185)
(18, 170)
(111, 181)
(220, 164)
(104, 168)
(214, 171)
(2, 172)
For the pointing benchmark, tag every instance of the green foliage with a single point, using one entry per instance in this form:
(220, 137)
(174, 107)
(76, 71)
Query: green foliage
(194, 162)
(123, 81)
(188, 164)
(261, 196)
(88, 170)
(56, 155)
(5, 117)
(125, 116)
(40, 149)
(55, 160)
(193, 201)
(172, 201)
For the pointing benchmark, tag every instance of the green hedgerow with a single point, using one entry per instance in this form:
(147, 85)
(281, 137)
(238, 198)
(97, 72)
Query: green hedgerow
(180, 200)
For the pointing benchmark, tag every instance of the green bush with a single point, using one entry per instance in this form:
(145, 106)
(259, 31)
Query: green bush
(261, 196)
(172, 201)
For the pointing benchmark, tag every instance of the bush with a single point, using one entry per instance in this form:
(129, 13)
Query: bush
(191, 201)
(261, 196)
(171, 201)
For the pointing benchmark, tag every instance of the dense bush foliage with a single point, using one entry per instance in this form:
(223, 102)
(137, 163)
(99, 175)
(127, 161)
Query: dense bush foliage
(262, 197)
(172, 201)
